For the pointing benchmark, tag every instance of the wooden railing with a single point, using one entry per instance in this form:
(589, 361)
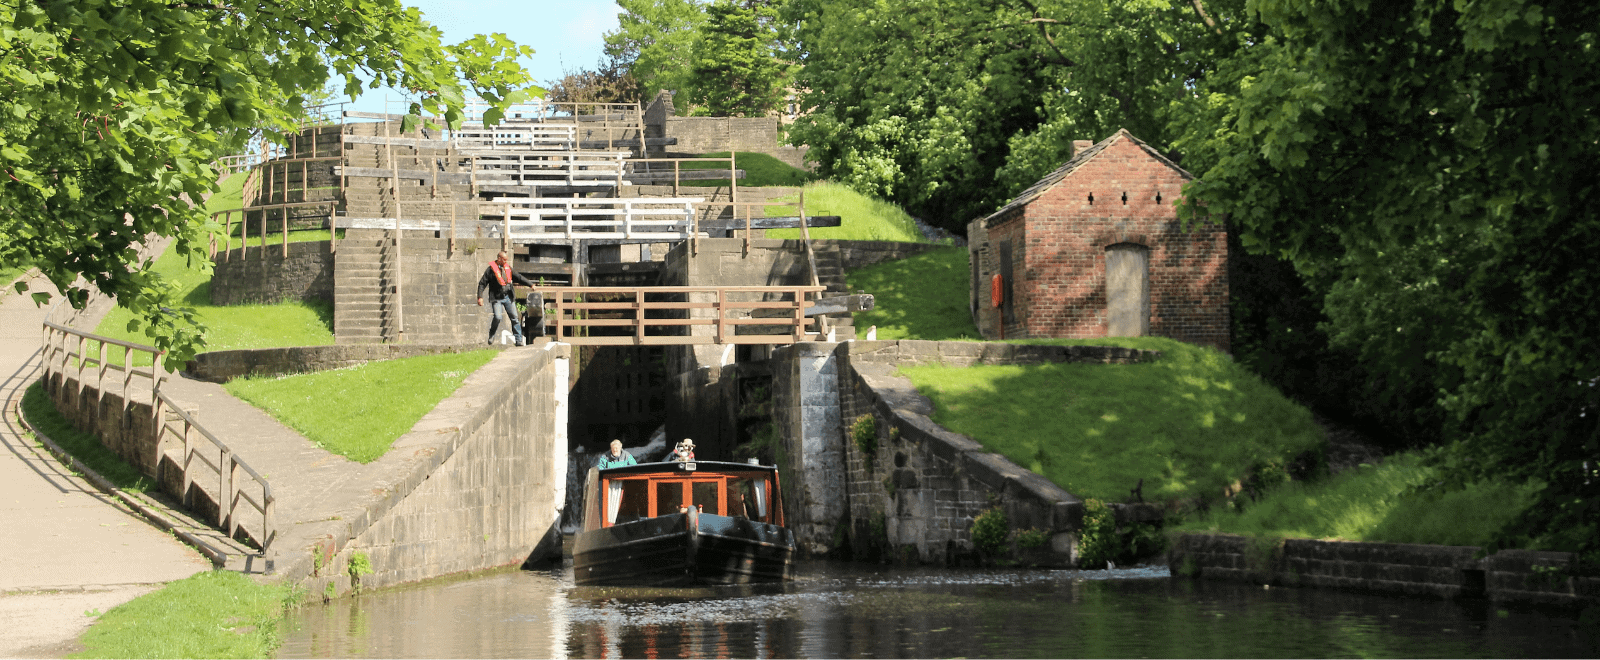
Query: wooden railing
(65, 348)
(663, 315)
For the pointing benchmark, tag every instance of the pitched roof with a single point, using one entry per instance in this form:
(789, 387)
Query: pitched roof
(1078, 159)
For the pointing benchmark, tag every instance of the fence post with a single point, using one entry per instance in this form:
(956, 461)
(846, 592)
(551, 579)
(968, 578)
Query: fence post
(188, 478)
(225, 490)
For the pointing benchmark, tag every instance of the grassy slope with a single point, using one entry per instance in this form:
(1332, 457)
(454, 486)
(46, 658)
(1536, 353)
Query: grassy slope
(760, 170)
(1375, 503)
(208, 615)
(863, 218)
(359, 412)
(42, 414)
(924, 297)
(1188, 424)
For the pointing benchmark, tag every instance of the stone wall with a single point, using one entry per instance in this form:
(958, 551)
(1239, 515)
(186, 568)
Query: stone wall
(860, 254)
(439, 290)
(1395, 568)
(264, 275)
(223, 366)
(481, 483)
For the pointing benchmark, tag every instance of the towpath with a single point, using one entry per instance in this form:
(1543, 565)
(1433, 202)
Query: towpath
(67, 549)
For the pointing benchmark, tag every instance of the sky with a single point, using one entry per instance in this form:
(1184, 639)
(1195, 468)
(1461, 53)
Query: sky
(563, 33)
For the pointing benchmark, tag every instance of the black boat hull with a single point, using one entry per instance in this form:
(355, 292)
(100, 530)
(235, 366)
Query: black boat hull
(683, 549)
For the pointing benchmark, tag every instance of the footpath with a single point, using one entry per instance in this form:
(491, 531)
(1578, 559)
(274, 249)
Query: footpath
(69, 550)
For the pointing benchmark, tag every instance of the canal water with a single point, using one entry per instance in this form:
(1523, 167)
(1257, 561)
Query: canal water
(857, 610)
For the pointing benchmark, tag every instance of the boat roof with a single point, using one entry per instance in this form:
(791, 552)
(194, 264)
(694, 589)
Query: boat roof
(671, 467)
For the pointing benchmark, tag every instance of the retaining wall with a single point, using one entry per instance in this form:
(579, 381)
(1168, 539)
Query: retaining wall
(264, 275)
(1396, 568)
(222, 366)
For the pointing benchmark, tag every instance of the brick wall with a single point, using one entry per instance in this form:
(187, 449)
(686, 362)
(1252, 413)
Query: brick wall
(1059, 241)
(264, 275)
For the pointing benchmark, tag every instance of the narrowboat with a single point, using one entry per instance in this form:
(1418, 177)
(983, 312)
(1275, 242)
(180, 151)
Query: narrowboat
(682, 523)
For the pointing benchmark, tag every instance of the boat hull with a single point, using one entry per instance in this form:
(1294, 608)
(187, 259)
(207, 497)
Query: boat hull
(683, 549)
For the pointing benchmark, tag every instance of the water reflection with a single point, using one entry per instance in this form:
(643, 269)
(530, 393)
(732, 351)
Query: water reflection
(847, 610)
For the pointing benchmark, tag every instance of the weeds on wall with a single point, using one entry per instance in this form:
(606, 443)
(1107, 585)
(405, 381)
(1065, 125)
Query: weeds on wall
(1097, 542)
(865, 434)
(991, 531)
(360, 564)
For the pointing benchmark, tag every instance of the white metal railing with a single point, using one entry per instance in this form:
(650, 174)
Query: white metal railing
(65, 348)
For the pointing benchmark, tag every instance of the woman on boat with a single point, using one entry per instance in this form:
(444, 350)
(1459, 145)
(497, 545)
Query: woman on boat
(615, 458)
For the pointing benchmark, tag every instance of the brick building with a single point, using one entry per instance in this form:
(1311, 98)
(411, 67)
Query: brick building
(1095, 249)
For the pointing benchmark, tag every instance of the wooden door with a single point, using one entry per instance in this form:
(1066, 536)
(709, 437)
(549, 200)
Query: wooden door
(1127, 290)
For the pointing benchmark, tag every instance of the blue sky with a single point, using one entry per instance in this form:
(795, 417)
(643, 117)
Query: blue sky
(565, 33)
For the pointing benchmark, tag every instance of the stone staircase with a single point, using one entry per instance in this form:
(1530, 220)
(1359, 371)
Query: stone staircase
(830, 274)
(364, 289)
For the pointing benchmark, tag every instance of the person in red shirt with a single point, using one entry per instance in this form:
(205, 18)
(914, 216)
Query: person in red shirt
(500, 282)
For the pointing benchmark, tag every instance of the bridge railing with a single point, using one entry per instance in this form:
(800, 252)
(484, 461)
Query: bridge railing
(663, 315)
(67, 349)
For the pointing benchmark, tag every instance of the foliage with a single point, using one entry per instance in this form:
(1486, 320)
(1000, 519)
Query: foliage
(949, 107)
(228, 327)
(1434, 161)
(609, 82)
(734, 70)
(1030, 538)
(922, 297)
(991, 531)
(861, 218)
(1097, 541)
(216, 614)
(360, 564)
(41, 412)
(655, 40)
(115, 109)
(1189, 424)
(1395, 502)
(865, 434)
(358, 412)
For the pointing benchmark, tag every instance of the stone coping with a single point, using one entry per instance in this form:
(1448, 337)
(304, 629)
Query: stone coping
(969, 353)
(222, 366)
(1440, 571)
(344, 512)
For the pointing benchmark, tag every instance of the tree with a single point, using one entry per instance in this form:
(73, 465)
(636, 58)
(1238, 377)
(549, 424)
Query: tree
(609, 82)
(1434, 162)
(735, 71)
(115, 109)
(655, 40)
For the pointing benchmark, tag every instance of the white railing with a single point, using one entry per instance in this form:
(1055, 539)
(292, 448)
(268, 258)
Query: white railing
(66, 348)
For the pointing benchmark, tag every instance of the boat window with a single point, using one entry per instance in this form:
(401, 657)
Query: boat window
(747, 498)
(635, 501)
(613, 501)
(705, 497)
(669, 497)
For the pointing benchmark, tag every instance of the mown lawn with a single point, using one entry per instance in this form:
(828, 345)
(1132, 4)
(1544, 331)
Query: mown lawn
(219, 614)
(1188, 424)
(923, 297)
(41, 412)
(359, 412)
(862, 218)
(760, 171)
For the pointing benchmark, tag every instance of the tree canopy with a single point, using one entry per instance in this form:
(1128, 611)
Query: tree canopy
(655, 40)
(114, 111)
(735, 71)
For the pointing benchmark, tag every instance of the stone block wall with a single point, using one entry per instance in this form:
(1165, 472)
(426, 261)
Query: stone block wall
(265, 275)
(439, 290)
(1058, 242)
(1394, 568)
(698, 135)
(860, 254)
(478, 483)
(223, 366)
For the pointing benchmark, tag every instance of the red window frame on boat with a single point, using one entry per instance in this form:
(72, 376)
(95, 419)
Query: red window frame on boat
(685, 486)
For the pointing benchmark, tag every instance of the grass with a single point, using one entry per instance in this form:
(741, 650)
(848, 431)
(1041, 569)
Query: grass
(1377, 504)
(218, 614)
(1188, 424)
(760, 171)
(360, 411)
(863, 218)
(292, 323)
(41, 412)
(923, 297)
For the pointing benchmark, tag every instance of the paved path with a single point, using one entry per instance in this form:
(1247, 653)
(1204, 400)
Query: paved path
(67, 548)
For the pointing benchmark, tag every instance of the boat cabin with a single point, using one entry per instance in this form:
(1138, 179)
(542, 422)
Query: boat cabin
(636, 492)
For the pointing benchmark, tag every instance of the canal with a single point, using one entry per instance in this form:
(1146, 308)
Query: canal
(858, 610)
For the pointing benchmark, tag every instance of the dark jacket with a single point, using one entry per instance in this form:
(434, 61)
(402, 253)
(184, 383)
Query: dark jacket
(496, 292)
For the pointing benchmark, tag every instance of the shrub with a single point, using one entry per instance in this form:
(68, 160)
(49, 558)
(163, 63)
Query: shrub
(1098, 542)
(865, 434)
(989, 531)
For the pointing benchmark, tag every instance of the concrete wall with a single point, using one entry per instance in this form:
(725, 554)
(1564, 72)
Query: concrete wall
(1396, 568)
(264, 275)
(478, 483)
(222, 366)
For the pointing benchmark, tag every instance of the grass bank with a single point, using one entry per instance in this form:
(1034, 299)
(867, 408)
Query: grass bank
(359, 412)
(760, 171)
(862, 218)
(219, 614)
(1188, 425)
(1385, 503)
(41, 412)
(923, 297)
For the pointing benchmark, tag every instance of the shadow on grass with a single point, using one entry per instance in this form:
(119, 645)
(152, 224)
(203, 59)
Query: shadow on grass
(41, 412)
